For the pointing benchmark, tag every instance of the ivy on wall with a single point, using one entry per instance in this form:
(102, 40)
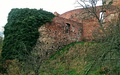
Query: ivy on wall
(21, 31)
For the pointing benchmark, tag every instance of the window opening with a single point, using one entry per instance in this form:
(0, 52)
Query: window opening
(67, 27)
(102, 16)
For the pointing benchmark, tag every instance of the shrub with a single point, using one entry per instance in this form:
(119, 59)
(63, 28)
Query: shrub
(21, 31)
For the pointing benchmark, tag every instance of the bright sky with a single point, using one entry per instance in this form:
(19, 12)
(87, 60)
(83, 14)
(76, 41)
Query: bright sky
(48, 5)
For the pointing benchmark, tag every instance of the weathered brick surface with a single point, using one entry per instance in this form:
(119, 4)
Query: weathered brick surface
(58, 33)
(115, 2)
(90, 23)
(56, 14)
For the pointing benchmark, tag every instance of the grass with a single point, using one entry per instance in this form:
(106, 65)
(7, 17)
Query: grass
(74, 59)
(65, 49)
(70, 60)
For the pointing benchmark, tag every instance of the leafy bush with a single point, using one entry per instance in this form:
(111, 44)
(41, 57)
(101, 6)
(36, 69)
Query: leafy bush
(21, 31)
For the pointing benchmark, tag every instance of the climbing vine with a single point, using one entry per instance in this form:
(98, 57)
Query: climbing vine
(21, 31)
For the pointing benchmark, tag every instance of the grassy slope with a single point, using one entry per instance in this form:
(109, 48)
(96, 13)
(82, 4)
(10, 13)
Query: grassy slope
(73, 59)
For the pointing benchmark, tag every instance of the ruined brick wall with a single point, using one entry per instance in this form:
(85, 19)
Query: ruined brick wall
(75, 25)
(115, 2)
(56, 14)
(73, 15)
(58, 33)
(90, 23)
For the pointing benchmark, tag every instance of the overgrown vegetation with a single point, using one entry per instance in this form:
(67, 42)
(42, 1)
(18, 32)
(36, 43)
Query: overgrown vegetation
(81, 58)
(68, 61)
(1, 42)
(101, 57)
(21, 31)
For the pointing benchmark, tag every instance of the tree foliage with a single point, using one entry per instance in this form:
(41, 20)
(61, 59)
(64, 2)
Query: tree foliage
(21, 31)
